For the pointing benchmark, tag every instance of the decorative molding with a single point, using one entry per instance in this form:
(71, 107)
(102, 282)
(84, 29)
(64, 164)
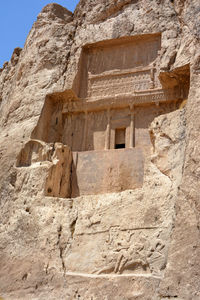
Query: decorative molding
(123, 100)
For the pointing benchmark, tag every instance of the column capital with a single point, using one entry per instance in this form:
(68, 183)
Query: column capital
(132, 107)
(108, 112)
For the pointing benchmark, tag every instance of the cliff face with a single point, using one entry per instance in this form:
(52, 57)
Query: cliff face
(135, 244)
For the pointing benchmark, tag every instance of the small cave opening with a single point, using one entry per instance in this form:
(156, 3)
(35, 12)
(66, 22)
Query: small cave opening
(49, 190)
(119, 146)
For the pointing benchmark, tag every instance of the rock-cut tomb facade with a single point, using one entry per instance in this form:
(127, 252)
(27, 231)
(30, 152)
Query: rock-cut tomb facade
(104, 121)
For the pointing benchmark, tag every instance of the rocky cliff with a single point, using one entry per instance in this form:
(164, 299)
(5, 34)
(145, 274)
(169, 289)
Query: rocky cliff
(135, 244)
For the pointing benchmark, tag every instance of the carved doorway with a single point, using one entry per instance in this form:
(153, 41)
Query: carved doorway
(120, 138)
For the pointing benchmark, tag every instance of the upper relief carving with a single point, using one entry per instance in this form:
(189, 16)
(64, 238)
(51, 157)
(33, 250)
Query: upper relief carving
(118, 67)
(127, 81)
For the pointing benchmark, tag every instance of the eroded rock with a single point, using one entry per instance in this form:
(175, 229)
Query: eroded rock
(113, 74)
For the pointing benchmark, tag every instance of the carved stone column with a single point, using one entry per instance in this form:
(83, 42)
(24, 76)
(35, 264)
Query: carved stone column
(152, 75)
(84, 146)
(132, 128)
(107, 140)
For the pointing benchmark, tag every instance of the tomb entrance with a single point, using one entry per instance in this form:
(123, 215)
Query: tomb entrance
(120, 134)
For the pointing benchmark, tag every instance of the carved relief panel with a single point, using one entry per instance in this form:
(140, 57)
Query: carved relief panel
(120, 66)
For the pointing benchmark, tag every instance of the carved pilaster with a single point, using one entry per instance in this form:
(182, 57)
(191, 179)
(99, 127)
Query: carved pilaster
(107, 140)
(84, 146)
(132, 128)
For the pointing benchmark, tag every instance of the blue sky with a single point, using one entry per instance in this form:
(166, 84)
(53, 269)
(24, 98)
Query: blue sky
(16, 20)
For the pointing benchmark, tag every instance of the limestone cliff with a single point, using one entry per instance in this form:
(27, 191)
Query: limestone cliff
(140, 243)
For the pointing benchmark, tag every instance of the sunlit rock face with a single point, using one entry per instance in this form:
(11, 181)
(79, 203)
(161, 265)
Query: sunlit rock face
(99, 151)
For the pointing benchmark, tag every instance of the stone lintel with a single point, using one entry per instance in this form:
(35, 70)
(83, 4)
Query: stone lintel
(122, 101)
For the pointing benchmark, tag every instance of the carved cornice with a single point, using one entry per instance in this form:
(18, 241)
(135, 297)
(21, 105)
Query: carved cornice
(143, 97)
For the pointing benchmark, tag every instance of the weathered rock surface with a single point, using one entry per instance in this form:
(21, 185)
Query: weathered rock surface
(135, 244)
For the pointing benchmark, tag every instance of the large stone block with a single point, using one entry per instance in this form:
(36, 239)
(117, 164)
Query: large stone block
(115, 170)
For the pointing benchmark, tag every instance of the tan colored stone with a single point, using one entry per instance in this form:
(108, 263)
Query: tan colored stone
(135, 244)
